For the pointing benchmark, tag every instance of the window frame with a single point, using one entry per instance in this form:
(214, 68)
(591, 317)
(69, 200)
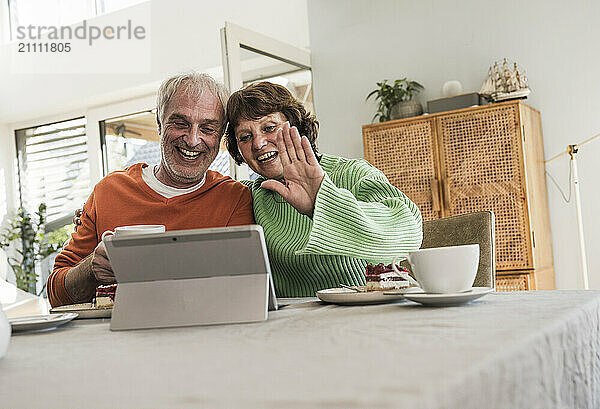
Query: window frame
(31, 123)
(96, 116)
(102, 131)
(20, 146)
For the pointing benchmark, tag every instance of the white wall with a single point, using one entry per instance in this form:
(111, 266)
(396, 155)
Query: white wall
(356, 43)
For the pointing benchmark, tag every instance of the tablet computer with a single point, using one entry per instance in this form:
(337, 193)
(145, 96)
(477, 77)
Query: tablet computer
(191, 277)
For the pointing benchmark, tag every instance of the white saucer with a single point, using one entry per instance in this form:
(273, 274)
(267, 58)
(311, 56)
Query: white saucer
(39, 322)
(445, 300)
(344, 296)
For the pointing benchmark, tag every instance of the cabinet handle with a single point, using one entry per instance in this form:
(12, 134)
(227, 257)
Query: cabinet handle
(446, 195)
(435, 195)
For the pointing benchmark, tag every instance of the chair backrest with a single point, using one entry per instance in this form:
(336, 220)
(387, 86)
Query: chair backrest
(471, 228)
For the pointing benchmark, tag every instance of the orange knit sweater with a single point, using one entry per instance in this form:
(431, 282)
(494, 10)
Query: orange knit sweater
(123, 198)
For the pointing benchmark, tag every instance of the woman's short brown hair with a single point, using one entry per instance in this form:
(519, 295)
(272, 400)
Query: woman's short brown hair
(261, 99)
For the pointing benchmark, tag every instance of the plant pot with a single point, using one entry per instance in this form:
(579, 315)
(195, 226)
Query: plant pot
(406, 109)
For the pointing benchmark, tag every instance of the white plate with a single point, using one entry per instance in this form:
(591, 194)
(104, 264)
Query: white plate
(38, 322)
(344, 296)
(85, 310)
(446, 300)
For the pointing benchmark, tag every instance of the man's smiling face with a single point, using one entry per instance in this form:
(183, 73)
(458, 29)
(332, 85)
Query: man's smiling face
(189, 138)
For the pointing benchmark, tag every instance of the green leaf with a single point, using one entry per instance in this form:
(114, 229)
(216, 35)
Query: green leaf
(370, 94)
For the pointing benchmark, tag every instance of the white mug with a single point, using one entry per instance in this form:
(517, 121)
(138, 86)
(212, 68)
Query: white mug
(135, 229)
(443, 270)
(5, 331)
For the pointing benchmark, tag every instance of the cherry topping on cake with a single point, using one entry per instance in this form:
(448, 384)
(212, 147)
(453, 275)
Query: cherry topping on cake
(381, 268)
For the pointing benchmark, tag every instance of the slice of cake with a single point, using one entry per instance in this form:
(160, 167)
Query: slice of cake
(384, 278)
(105, 296)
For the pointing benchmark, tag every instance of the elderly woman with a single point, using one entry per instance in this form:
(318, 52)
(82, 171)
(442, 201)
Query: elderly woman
(324, 217)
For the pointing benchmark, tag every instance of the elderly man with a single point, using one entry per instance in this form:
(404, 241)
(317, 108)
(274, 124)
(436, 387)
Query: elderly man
(179, 193)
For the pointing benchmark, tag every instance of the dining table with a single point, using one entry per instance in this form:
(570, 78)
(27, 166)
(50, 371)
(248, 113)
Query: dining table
(537, 349)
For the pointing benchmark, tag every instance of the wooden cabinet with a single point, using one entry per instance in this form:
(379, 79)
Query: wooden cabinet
(482, 158)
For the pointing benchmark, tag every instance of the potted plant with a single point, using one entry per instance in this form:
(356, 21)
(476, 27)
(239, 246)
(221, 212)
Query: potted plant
(395, 100)
(25, 233)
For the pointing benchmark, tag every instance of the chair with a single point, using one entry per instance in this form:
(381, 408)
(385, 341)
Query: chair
(471, 228)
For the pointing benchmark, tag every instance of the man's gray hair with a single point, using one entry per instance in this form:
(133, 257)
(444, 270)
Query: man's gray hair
(193, 84)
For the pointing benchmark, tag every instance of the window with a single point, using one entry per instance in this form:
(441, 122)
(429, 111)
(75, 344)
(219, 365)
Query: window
(128, 140)
(249, 56)
(59, 12)
(53, 167)
(108, 6)
(134, 138)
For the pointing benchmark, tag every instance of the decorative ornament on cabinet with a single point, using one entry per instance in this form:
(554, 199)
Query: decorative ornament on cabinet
(504, 83)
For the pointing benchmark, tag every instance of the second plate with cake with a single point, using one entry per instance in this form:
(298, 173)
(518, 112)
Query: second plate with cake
(344, 296)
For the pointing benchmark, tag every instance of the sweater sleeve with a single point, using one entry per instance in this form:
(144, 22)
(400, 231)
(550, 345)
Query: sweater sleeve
(242, 213)
(82, 243)
(368, 218)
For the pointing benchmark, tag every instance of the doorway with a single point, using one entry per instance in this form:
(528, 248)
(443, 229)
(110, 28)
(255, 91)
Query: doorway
(250, 57)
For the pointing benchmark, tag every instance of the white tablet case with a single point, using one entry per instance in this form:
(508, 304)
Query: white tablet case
(191, 277)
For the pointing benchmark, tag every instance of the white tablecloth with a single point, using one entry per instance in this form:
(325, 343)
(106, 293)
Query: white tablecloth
(506, 350)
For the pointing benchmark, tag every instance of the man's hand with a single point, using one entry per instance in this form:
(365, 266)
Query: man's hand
(301, 171)
(101, 267)
(83, 278)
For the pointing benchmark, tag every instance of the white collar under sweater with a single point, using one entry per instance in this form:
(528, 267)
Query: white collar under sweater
(162, 189)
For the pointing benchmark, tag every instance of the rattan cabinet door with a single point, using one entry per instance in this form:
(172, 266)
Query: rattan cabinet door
(482, 169)
(405, 152)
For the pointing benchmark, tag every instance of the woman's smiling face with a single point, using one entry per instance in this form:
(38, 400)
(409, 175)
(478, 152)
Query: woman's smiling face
(256, 140)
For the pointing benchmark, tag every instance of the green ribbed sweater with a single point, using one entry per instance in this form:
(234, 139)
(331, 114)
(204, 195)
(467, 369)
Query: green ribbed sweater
(359, 218)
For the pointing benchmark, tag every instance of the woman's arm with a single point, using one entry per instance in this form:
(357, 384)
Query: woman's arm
(363, 216)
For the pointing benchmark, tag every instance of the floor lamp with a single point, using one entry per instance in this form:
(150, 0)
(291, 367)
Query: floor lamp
(572, 151)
